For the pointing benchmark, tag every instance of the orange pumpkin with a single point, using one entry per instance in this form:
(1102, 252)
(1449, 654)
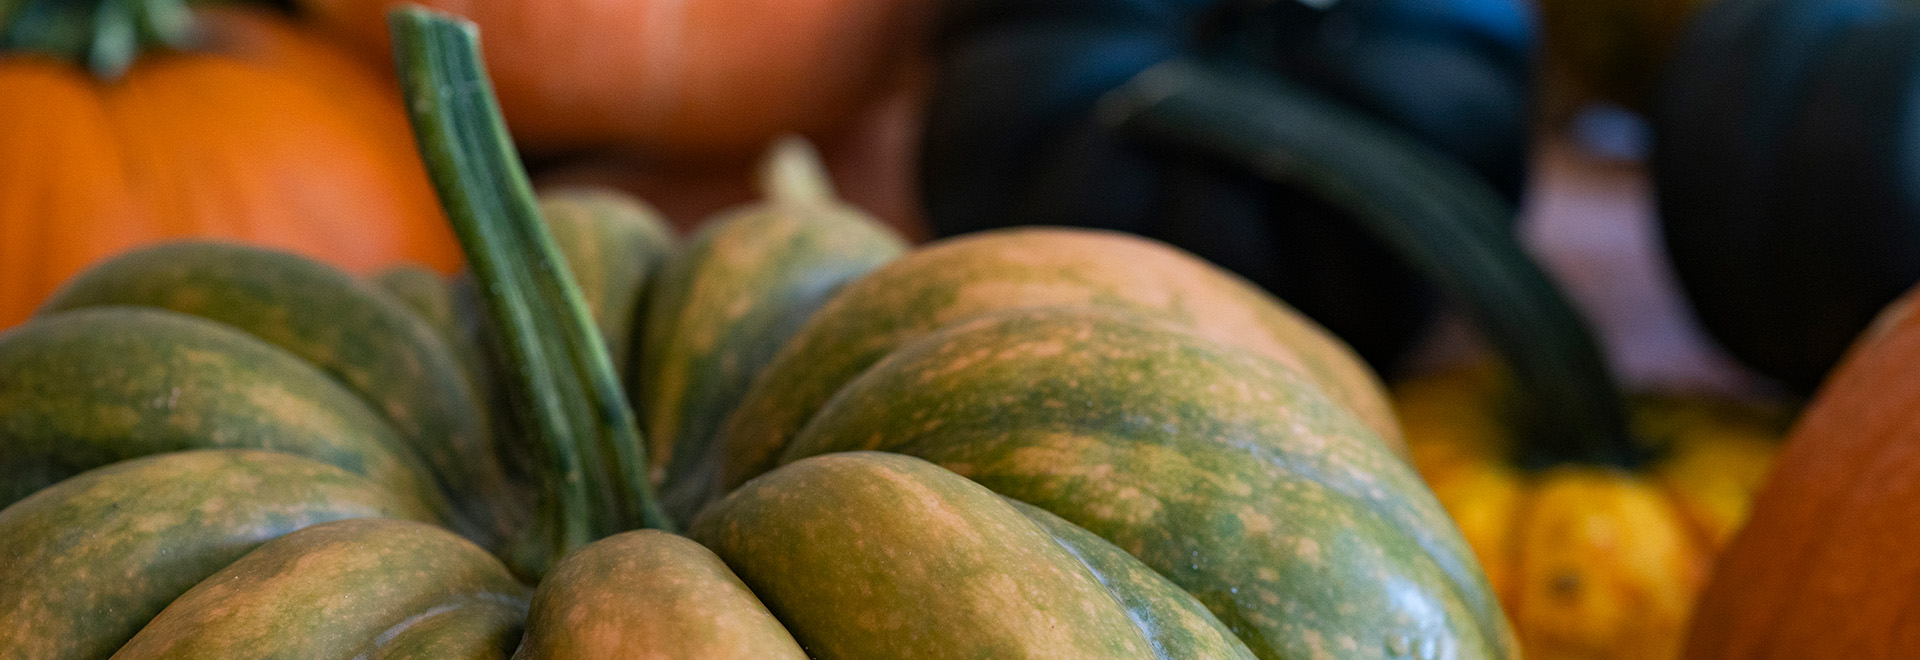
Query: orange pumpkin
(258, 132)
(679, 79)
(1830, 561)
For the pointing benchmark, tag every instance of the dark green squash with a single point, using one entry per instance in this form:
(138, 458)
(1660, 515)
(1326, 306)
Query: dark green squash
(1786, 174)
(1016, 133)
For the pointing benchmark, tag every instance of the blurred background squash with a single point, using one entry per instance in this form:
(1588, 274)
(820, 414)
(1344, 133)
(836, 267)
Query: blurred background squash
(1827, 566)
(1018, 132)
(247, 128)
(1786, 171)
(674, 79)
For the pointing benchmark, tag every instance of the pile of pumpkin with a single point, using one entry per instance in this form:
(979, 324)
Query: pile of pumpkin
(1096, 446)
(1018, 443)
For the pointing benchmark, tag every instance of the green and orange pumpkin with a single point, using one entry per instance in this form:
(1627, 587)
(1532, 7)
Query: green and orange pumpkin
(1088, 470)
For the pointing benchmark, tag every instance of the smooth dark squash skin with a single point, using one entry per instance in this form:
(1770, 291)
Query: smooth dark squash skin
(1785, 168)
(1230, 474)
(89, 560)
(962, 277)
(650, 595)
(613, 244)
(90, 387)
(337, 590)
(351, 330)
(1179, 627)
(724, 305)
(881, 556)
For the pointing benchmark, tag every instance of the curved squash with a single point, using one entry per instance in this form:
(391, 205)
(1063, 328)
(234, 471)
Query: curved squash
(353, 331)
(1785, 177)
(396, 575)
(91, 387)
(985, 581)
(650, 595)
(967, 276)
(665, 78)
(739, 289)
(166, 521)
(1230, 474)
(1826, 566)
(1021, 131)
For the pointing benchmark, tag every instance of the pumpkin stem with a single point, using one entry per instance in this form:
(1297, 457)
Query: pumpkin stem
(793, 174)
(105, 35)
(1436, 214)
(565, 387)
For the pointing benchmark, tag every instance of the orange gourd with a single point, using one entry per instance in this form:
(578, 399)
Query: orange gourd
(1828, 564)
(683, 79)
(1591, 561)
(256, 131)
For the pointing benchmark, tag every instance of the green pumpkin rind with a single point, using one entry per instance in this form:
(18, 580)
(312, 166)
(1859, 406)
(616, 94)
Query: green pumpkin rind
(480, 629)
(423, 291)
(1231, 475)
(980, 273)
(90, 387)
(613, 244)
(1179, 627)
(650, 594)
(432, 297)
(348, 328)
(722, 307)
(882, 556)
(334, 590)
(89, 560)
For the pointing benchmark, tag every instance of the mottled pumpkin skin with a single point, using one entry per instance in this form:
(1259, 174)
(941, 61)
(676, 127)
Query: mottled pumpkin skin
(686, 79)
(353, 331)
(346, 589)
(90, 387)
(263, 133)
(1591, 561)
(1231, 474)
(962, 277)
(870, 556)
(650, 595)
(94, 557)
(1827, 566)
(722, 308)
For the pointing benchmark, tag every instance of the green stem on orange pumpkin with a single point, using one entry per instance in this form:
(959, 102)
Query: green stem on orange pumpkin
(1436, 214)
(567, 391)
(105, 35)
